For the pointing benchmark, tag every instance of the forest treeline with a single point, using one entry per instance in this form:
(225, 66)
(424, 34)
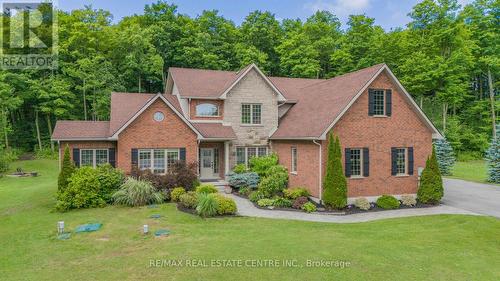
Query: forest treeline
(447, 57)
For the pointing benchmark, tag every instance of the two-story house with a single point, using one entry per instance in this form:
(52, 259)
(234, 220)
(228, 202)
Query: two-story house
(222, 118)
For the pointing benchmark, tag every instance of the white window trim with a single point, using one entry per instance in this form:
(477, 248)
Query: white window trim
(294, 160)
(406, 162)
(216, 105)
(246, 152)
(94, 155)
(361, 171)
(251, 114)
(384, 103)
(152, 158)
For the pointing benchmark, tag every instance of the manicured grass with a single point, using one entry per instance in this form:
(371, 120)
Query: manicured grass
(418, 248)
(471, 170)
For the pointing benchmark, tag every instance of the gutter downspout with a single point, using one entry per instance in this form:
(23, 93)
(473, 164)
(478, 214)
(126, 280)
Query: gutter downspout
(320, 172)
(198, 158)
(59, 156)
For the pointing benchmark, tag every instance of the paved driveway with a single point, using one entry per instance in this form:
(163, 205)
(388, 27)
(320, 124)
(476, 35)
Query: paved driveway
(475, 197)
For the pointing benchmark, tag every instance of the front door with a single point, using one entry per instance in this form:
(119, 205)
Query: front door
(206, 163)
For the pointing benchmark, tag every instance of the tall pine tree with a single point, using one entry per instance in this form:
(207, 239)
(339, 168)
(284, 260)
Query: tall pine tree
(431, 190)
(67, 170)
(335, 183)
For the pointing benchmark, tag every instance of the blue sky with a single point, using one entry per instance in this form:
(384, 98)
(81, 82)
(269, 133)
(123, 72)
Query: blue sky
(387, 13)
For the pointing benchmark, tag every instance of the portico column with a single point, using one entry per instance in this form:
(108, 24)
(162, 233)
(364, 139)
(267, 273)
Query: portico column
(226, 158)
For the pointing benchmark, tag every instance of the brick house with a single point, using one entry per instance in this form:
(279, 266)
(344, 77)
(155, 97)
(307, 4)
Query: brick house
(221, 118)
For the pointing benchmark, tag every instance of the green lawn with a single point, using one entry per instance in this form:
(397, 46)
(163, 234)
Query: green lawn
(471, 170)
(419, 248)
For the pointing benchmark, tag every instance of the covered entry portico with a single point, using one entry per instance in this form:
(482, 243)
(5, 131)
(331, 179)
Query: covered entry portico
(213, 160)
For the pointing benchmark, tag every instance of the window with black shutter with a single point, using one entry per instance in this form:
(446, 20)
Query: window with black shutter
(356, 162)
(379, 102)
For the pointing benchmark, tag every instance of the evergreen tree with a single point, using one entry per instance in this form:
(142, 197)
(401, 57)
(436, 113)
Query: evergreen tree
(67, 170)
(430, 190)
(493, 158)
(335, 183)
(445, 156)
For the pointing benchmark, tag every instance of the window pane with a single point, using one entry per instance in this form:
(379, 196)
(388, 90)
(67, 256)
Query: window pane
(144, 159)
(356, 162)
(87, 157)
(378, 102)
(252, 152)
(101, 156)
(240, 155)
(172, 157)
(294, 159)
(262, 151)
(159, 161)
(256, 112)
(401, 161)
(207, 109)
(245, 113)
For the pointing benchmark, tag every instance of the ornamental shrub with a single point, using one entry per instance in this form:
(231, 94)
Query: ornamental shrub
(430, 190)
(207, 205)
(445, 156)
(265, 202)
(67, 169)
(282, 203)
(262, 165)
(387, 202)
(275, 182)
(362, 203)
(189, 200)
(83, 191)
(240, 169)
(335, 183)
(297, 204)
(296, 192)
(225, 205)
(493, 160)
(206, 188)
(256, 196)
(110, 179)
(176, 193)
(245, 191)
(408, 200)
(309, 207)
(137, 193)
(179, 174)
(238, 181)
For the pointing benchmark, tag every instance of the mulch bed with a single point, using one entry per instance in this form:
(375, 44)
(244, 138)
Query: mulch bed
(349, 210)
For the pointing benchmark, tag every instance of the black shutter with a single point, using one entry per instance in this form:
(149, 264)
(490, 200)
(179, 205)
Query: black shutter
(112, 157)
(393, 161)
(182, 154)
(371, 104)
(366, 162)
(76, 156)
(134, 157)
(410, 160)
(388, 102)
(347, 167)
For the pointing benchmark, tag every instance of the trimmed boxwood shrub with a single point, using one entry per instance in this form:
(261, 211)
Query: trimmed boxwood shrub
(225, 205)
(299, 202)
(137, 193)
(309, 207)
(206, 188)
(282, 203)
(296, 192)
(387, 202)
(176, 193)
(189, 200)
(207, 205)
(238, 181)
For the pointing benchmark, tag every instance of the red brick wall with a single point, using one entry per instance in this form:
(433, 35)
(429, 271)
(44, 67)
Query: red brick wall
(194, 103)
(220, 146)
(145, 132)
(307, 163)
(356, 129)
(84, 144)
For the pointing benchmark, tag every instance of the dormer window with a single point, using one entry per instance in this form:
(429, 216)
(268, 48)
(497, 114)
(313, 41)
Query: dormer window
(207, 110)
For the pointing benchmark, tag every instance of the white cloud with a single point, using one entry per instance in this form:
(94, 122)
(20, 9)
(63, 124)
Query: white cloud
(339, 7)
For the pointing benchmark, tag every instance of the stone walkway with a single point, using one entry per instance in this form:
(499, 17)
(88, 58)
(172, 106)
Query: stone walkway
(247, 209)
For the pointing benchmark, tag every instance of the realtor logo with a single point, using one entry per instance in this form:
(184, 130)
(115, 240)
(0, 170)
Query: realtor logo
(29, 34)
